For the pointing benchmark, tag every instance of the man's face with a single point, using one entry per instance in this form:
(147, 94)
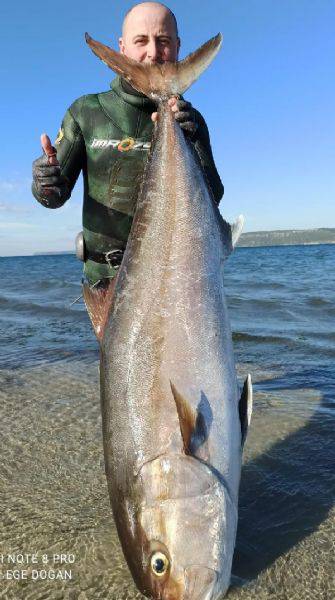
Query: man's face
(149, 35)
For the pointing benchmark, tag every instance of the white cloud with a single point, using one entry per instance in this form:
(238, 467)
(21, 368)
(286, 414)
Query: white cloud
(14, 185)
(7, 186)
(16, 225)
(37, 228)
(12, 208)
(14, 195)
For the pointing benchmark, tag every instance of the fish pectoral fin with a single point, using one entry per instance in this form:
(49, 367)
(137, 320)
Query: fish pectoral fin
(187, 418)
(98, 302)
(245, 408)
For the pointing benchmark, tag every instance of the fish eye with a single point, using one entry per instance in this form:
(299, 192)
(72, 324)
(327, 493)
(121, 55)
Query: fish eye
(159, 563)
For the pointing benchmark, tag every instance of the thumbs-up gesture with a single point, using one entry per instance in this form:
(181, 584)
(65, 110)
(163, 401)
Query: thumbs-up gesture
(49, 150)
(50, 187)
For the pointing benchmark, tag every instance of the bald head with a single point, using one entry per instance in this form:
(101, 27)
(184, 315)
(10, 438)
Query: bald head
(150, 33)
(151, 7)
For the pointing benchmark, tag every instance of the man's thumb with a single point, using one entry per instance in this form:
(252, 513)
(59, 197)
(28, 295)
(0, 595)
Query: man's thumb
(49, 150)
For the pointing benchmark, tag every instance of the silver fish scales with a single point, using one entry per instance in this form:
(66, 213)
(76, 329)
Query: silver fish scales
(173, 420)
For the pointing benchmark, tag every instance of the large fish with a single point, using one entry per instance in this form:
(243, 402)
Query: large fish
(173, 420)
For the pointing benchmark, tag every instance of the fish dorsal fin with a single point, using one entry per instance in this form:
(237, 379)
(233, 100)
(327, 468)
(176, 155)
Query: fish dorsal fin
(155, 80)
(187, 418)
(245, 408)
(98, 302)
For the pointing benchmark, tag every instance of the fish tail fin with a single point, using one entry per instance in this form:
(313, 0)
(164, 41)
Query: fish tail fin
(159, 81)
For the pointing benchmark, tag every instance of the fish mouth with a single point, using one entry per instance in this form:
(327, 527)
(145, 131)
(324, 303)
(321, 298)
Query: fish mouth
(200, 583)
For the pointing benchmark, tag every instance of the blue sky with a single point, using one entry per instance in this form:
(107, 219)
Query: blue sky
(268, 100)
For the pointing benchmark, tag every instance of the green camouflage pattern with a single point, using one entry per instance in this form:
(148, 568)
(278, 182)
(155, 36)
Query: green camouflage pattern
(107, 137)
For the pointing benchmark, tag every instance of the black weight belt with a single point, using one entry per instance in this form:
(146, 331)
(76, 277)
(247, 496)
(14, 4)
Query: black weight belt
(113, 258)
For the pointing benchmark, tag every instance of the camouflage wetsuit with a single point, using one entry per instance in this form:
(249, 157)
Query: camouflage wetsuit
(107, 136)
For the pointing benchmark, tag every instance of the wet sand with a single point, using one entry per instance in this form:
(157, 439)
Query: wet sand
(54, 496)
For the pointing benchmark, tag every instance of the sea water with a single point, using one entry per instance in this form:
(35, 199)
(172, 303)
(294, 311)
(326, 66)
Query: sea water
(57, 537)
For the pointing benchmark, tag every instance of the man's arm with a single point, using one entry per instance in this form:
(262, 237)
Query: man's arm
(56, 172)
(194, 126)
(203, 149)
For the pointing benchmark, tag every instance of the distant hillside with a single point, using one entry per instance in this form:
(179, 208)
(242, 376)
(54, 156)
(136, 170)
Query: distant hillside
(287, 237)
(51, 253)
(284, 237)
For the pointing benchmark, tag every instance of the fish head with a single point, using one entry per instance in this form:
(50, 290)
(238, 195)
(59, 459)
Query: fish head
(184, 527)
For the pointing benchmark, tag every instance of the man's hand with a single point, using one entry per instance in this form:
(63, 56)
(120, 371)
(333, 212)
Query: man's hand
(184, 115)
(48, 181)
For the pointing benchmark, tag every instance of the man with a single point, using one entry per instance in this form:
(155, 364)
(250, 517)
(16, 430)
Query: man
(107, 137)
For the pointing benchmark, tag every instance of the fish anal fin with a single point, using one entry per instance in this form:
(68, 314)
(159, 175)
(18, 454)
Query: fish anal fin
(187, 418)
(98, 302)
(245, 408)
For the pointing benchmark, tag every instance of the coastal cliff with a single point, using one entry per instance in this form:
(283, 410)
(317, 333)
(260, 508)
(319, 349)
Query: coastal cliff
(287, 237)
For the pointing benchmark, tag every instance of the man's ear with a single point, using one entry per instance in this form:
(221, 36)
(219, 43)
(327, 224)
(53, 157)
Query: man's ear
(121, 45)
